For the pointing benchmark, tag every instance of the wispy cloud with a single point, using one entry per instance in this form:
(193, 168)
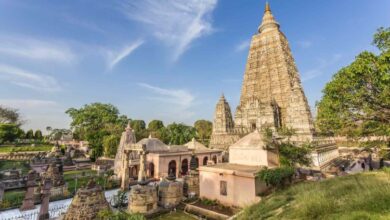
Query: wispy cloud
(115, 57)
(177, 23)
(82, 23)
(243, 45)
(180, 101)
(320, 68)
(27, 79)
(28, 103)
(28, 48)
(304, 44)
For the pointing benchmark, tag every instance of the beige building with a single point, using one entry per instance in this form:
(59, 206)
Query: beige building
(235, 183)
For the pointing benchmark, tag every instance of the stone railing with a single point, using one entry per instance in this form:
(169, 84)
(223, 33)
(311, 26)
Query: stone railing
(20, 155)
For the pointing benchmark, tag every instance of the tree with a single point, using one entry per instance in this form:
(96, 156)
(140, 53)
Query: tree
(30, 134)
(95, 121)
(9, 116)
(38, 135)
(139, 127)
(110, 145)
(356, 101)
(276, 177)
(203, 130)
(155, 125)
(9, 132)
(178, 134)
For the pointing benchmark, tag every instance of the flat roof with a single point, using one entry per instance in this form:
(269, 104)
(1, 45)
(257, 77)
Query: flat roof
(233, 169)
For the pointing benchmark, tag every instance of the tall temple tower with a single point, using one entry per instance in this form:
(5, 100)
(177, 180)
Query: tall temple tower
(223, 126)
(272, 93)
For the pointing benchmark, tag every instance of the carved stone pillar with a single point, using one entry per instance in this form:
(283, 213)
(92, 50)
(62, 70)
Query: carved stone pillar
(44, 210)
(125, 172)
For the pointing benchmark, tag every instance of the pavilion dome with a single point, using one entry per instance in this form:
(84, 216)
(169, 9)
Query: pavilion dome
(153, 144)
(195, 145)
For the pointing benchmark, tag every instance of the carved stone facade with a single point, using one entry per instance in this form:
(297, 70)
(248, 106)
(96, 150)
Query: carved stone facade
(271, 93)
(87, 203)
(128, 138)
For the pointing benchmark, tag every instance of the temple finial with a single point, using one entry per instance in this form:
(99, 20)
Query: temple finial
(267, 7)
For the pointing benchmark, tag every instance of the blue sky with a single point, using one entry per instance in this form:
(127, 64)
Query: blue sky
(168, 60)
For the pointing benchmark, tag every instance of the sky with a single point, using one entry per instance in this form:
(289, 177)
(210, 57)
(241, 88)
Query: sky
(169, 60)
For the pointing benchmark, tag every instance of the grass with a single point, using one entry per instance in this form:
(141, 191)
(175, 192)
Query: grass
(18, 164)
(175, 216)
(70, 179)
(359, 196)
(12, 198)
(25, 148)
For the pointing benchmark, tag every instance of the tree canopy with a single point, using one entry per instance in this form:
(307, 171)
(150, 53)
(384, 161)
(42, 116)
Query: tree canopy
(203, 130)
(94, 121)
(356, 102)
(9, 116)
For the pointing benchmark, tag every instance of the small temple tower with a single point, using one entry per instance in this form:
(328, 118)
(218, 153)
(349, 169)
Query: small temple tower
(127, 138)
(192, 180)
(272, 93)
(142, 197)
(223, 127)
(87, 203)
(170, 191)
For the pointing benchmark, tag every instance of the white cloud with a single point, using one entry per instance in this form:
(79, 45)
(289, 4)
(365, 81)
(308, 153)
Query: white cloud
(177, 22)
(28, 103)
(243, 45)
(320, 68)
(116, 57)
(28, 79)
(28, 48)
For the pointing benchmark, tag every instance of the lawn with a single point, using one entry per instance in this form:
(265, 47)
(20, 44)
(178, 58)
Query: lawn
(70, 178)
(359, 196)
(175, 216)
(24, 148)
(18, 164)
(12, 198)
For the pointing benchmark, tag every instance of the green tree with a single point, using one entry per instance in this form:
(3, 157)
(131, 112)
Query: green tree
(30, 134)
(9, 116)
(38, 135)
(356, 102)
(139, 127)
(94, 121)
(155, 125)
(178, 134)
(9, 132)
(203, 130)
(110, 145)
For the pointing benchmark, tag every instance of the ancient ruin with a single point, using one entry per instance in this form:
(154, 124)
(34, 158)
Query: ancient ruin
(87, 203)
(170, 192)
(29, 198)
(58, 186)
(127, 138)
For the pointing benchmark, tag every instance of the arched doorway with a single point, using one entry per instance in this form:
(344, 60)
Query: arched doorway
(197, 161)
(205, 159)
(151, 170)
(215, 159)
(172, 167)
(184, 167)
(133, 171)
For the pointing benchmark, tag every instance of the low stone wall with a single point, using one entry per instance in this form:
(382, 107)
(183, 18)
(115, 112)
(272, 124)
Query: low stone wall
(20, 155)
(205, 212)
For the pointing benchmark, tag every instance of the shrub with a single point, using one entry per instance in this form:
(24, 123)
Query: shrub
(276, 177)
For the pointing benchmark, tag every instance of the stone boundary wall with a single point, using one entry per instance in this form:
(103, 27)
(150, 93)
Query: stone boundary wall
(205, 212)
(26, 155)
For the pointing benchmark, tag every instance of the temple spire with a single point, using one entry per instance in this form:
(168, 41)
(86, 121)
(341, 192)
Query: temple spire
(268, 22)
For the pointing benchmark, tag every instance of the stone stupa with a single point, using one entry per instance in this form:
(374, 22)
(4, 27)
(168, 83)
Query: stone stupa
(170, 191)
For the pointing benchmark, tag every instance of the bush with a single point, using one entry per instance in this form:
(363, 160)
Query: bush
(276, 177)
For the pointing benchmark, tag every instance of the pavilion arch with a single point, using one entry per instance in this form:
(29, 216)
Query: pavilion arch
(215, 159)
(184, 167)
(205, 159)
(151, 169)
(172, 167)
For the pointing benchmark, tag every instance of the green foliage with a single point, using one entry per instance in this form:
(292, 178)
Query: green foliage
(9, 132)
(110, 145)
(203, 130)
(119, 200)
(177, 134)
(382, 39)
(38, 135)
(155, 125)
(30, 134)
(9, 116)
(25, 148)
(95, 121)
(118, 215)
(276, 177)
(356, 101)
(360, 196)
(139, 127)
(292, 155)
(56, 134)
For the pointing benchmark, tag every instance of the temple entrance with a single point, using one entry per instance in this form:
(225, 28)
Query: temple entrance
(172, 167)
(151, 170)
(205, 159)
(215, 159)
(184, 167)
